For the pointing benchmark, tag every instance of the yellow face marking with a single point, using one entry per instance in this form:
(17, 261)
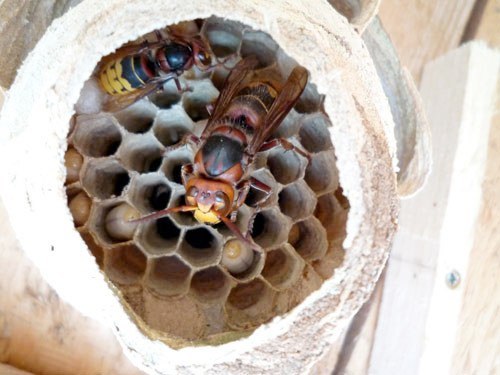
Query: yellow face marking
(206, 217)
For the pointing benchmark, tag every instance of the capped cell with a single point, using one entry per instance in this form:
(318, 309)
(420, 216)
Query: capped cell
(321, 172)
(286, 166)
(224, 37)
(261, 45)
(297, 200)
(314, 135)
(110, 221)
(242, 262)
(79, 206)
(310, 101)
(73, 162)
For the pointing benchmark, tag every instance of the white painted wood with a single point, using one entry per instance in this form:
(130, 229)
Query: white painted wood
(418, 315)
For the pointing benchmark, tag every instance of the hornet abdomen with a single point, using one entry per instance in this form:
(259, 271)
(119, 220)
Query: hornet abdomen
(126, 75)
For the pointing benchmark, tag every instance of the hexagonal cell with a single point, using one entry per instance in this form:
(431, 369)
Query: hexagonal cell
(286, 166)
(332, 215)
(250, 304)
(99, 222)
(195, 102)
(311, 243)
(168, 97)
(297, 201)
(314, 134)
(289, 126)
(96, 135)
(261, 45)
(296, 293)
(210, 285)
(173, 163)
(125, 264)
(310, 101)
(255, 195)
(119, 222)
(243, 218)
(240, 261)
(168, 276)
(182, 218)
(283, 267)
(141, 153)
(94, 248)
(223, 36)
(200, 247)
(270, 228)
(150, 192)
(73, 162)
(160, 236)
(137, 118)
(79, 206)
(171, 125)
(321, 172)
(104, 178)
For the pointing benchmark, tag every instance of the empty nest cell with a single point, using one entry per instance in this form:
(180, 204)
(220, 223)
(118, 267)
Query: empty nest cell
(125, 164)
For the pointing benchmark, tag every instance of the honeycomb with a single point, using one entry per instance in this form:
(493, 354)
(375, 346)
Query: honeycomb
(184, 282)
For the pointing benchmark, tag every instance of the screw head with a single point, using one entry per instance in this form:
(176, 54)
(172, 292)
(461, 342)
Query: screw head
(452, 279)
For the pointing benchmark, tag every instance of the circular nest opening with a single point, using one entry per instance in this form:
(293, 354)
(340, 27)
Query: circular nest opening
(126, 161)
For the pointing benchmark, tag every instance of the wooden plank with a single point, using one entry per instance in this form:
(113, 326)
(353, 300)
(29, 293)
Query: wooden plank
(22, 24)
(10, 370)
(435, 226)
(470, 75)
(425, 29)
(41, 333)
(477, 345)
(484, 23)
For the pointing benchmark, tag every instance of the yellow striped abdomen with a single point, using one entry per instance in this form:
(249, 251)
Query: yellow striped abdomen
(124, 76)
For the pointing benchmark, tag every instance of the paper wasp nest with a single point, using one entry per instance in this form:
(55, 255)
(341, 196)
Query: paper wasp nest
(175, 279)
(174, 273)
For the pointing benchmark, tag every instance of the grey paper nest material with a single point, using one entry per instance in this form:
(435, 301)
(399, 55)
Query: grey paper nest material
(361, 133)
(175, 266)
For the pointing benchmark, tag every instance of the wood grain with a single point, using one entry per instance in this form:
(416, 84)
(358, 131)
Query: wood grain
(478, 340)
(425, 29)
(17, 38)
(41, 333)
(418, 316)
